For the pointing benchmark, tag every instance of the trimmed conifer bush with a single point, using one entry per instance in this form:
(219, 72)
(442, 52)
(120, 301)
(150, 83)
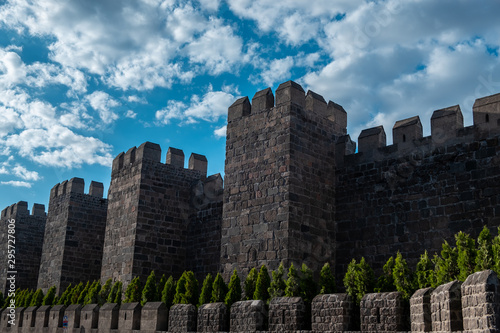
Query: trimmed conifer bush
(149, 292)
(168, 293)
(359, 279)
(133, 293)
(83, 294)
(262, 285)
(484, 258)
(326, 280)
(250, 283)
(385, 282)
(206, 290)
(92, 296)
(403, 277)
(160, 286)
(103, 295)
(308, 287)
(219, 289)
(37, 298)
(466, 255)
(446, 266)
(66, 296)
(278, 285)
(234, 290)
(425, 271)
(292, 283)
(49, 299)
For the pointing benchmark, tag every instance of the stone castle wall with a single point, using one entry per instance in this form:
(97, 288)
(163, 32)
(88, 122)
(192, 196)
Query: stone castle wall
(74, 235)
(156, 210)
(27, 242)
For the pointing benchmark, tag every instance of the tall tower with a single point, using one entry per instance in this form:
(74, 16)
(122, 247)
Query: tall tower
(74, 235)
(26, 239)
(160, 213)
(279, 192)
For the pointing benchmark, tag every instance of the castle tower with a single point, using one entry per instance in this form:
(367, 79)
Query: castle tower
(27, 241)
(279, 190)
(156, 212)
(74, 235)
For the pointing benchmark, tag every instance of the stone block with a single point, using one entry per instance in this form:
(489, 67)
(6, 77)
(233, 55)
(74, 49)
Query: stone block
(29, 318)
(406, 131)
(290, 93)
(108, 317)
(130, 317)
(182, 318)
(420, 310)
(446, 307)
(56, 316)
(383, 312)
(332, 312)
(89, 317)
(248, 316)
(371, 139)
(38, 210)
(240, 108)
(316, 103)
(148, 151)
(154, 317)
(96, 189)
(263, 100)
(129, 157)
(287, 314)
(199, 163)
(42, 316)
(486, 114)
(338, 115)
(445, 123)
(75, 185)
(175, 157)
(481, 302)
(73, 313)
(213, 317)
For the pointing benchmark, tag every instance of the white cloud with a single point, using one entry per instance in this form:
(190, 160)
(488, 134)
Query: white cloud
(220, 132)
(208, 107)
(279, 69)
(24, 173)
(136, 99)
(103, 103)
(16, 183)
(131, 114)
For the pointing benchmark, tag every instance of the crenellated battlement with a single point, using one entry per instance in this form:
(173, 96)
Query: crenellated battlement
(76, 185)
(21, 208)
(290, 93)
(447, 129)
(151, 152)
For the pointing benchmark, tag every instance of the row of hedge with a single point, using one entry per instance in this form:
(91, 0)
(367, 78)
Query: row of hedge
(455, 263)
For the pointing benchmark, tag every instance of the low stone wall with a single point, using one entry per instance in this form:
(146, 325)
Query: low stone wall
(439, 310)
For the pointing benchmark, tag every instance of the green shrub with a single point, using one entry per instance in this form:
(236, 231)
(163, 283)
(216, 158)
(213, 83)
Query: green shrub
(250, 283)
(496, 252)
(308, 287)
(385, 282)
(65, 298)
(466, 255)
(484, 258)
(37, 298)
(278, 285)
(359, 279)
(262, 285)
(219, 289)
(160, 286)
(115, 295)
(83, 294)
(403, 277)
(103, 295)
(292, 283)
(425, 271)
(187, 289)
(206, 290)
(234, 290)
(326, 280)
(133, 293)
(168, 292)
(446, 266)
(50, 297)
(92, 296)
(149, 292)
(27, 298)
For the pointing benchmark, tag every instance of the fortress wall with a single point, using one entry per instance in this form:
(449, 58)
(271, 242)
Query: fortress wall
(150, 208)
(279, 191)
(29, 235)
(74, 235)
(411, 201)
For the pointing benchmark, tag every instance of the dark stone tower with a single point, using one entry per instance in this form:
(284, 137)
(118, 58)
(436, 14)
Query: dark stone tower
(74, 235)
(279, 194)
(28, 237)
(156, 215)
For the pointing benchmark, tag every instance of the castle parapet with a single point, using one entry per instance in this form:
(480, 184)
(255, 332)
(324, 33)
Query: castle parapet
(149, 151)
(338, 115)
(406, 131)
(18, 208)
(175, 157)
(316, 103)
(76, 185)
(262, 100)
(199, 163)
(486, 115)
(38, 210)
(445, 123)
(290, 92)
(370, 139)
(96, 189)
(240, 108)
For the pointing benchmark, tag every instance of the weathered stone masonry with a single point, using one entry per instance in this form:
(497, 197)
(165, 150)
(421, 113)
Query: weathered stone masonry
(159, 213)
(74, 235)
(29, 232)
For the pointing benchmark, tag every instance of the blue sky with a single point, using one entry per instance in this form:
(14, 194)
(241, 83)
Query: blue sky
(82, 81)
